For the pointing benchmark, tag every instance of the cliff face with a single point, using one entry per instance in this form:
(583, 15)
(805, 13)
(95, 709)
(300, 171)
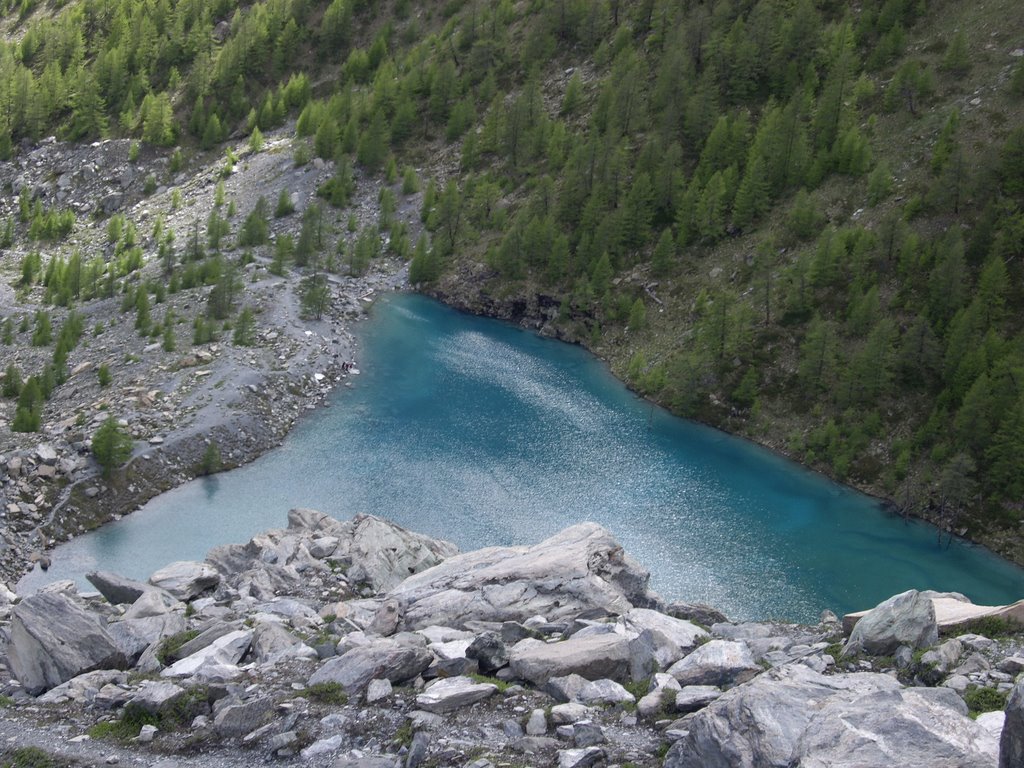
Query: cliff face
(357, 643)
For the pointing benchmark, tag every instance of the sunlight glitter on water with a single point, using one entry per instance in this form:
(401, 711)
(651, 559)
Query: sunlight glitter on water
(474, 431)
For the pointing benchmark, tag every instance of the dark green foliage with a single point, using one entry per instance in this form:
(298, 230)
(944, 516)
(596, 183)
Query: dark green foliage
(12, 381)
(316, 295)
(29, 411)
(285, 206)
(111, 446)
(210, 465)
(245, 328)
(103, 375)
(981, 700)
(42, 334)
(327, 693)
(256, 228)
(31, 757)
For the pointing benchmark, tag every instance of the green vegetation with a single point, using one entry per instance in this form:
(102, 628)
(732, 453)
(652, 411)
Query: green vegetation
(989, 626)
(30, 757)
(981, 700)
(133, 718)
(111, 446)
(171, 645)
(782, 217)
(211, 463)
(326, 693)
(501, 684)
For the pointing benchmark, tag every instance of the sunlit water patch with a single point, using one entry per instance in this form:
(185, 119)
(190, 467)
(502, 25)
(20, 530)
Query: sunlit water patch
(471, 430)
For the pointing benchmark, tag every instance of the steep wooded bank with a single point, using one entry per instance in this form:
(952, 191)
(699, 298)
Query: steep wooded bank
(793, 219)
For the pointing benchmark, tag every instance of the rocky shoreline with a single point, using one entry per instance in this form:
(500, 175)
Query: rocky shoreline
(175, 403)
(359, 644)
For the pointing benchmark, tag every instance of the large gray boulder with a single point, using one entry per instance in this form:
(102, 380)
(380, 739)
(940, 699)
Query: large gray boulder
(53, 639)
(592, 657)
(673, 638)
(578, 569)
(185, 579)
(383, 659)
(793, 715)
(117, 589)
(1011, 745)
(908, 728)
(384, 554)
(904, 619)
(722, 663)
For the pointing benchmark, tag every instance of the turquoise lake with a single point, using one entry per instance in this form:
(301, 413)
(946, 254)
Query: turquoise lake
(481, 433)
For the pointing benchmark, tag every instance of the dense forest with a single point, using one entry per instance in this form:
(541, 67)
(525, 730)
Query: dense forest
(799, 220)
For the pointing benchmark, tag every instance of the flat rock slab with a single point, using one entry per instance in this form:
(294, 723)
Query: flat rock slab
(580, 568)
(383, 659)
(593, 657)
(796, 716)
(225, 651)
(454, 693)
(951, 612)
(117, 589)
(155, 696)
(695, 697)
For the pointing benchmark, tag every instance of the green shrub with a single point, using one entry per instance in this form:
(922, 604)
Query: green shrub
(326, 693)
(984, 700)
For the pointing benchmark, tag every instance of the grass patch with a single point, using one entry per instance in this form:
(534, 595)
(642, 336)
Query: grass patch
(6, 701)
(30, 757)
(326, 693)
(501, 684)
(991, 627)
(403, 735)
(835, 651)
(981, 700)
(639, 688)
(133, 718)
(173, 644)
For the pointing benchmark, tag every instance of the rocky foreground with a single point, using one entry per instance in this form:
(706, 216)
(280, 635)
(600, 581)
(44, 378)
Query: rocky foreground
(358, 643)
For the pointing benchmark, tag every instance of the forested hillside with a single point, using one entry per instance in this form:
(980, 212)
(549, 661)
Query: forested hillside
(799, 220)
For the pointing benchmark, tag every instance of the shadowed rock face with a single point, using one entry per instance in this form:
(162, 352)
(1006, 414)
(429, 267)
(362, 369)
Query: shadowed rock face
(1011, 746)
(578, 569)
(53, 639)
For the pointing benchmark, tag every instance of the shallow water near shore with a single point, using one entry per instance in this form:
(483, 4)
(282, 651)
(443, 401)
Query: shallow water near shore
(475, 431)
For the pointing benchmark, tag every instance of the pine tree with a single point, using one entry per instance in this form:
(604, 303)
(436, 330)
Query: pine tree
(111, 446)
(245, 328)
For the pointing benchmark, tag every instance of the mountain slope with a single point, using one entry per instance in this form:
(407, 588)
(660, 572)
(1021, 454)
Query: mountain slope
(792, 219)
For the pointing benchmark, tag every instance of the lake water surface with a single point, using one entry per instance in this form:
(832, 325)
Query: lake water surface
(474, 431)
